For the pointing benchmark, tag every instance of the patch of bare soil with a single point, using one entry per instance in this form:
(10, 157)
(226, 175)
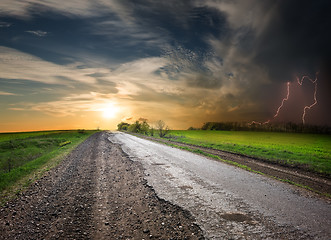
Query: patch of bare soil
(97, 192)
(317, 182)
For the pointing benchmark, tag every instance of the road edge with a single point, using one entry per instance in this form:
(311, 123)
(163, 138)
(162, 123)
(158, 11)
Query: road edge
(197, 150)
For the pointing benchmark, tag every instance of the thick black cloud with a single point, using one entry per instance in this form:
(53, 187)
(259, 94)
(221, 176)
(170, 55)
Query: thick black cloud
(208, 45)
(70, 38)
(297, 39)
(181, 22)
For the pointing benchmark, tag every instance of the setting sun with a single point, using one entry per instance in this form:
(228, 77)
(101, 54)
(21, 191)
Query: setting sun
(109, 111)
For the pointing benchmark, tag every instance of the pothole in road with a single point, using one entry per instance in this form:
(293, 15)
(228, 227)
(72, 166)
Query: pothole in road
(236, 217)
(185, 187)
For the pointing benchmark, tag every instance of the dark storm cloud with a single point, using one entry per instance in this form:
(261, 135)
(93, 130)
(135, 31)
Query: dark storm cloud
(56, 41)
(66, 39)
(181, 22)
(186, 26)
(220, 59)
(294, 36)
(4, 24)
(120, 32)
(296, 40)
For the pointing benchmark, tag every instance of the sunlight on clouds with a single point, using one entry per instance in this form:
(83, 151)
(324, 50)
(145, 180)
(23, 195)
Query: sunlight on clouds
(22, 8)
(93, 105)
(110, 110)
(140, 68)
(140, 91)
(19, 65)
(2, 93)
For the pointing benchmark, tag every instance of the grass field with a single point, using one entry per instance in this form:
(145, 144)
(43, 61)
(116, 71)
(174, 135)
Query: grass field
(21, 135)
(311, 151)
(21, 154)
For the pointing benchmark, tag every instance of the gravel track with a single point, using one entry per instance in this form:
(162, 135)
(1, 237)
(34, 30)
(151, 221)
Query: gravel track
(97, 192)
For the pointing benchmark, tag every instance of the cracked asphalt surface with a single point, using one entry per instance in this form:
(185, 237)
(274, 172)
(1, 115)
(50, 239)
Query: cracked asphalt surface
(117, 186)
(97, 192)
(228, 202)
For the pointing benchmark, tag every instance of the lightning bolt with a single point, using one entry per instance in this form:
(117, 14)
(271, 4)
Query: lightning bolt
(308, 107)
(284, 100)
(278, 109)
(300, 82)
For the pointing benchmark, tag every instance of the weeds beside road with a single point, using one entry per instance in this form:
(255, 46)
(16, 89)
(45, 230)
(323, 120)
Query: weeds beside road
(25, 156)
(96, 192)
(306, 151)
(293, 174)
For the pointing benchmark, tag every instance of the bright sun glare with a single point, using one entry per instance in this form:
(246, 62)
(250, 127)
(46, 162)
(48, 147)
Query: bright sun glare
(109, 111)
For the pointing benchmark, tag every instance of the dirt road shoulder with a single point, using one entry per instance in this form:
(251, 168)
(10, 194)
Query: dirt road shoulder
(97, 192)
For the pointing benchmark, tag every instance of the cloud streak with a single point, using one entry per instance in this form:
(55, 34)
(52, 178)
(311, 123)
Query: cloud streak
(38, 33)
(2, 93)
(4, 24)
(211, 60)
(68, 105)
(20, 65)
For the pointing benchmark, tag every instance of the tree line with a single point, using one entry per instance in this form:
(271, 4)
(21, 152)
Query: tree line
(143, 127)
(161, 129)
(270, 127)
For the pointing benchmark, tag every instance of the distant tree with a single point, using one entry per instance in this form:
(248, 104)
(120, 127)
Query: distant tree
(151, 131)
(123, 126)
(82, 131)
(139, 126)
(162, 128)
(144, 127)
(135, 127)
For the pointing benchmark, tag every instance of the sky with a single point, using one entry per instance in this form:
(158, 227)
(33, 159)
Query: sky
(94, 63)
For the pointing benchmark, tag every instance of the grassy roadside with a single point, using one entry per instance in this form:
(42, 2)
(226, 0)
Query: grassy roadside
(242, 166)
(22, 135)
(49, 150)
(198, 151)
(308, 151)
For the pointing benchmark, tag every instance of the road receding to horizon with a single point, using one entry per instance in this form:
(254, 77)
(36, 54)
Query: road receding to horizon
(228, 202)
(118, 186)
(97, 192)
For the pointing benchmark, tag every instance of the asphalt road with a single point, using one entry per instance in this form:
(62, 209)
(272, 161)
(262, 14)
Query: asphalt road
(96, 192)
(228, 202)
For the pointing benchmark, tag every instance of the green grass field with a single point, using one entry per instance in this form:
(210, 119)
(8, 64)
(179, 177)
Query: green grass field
(22, 154)
(21, 135)
(311, 151)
